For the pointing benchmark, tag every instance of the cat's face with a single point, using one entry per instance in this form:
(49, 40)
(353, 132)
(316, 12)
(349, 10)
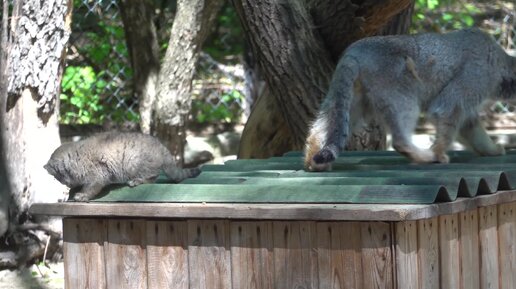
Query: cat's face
(59, 166)
(58, 171)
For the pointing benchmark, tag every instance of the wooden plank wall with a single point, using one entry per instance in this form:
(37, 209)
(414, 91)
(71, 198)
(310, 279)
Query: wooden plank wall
(474, 249)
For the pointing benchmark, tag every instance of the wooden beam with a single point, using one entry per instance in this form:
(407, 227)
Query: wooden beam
(316, 212)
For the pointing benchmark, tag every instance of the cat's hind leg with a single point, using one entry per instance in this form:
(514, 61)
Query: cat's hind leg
(454, 113)
(473, 135)
(445, 132)
(401, 118)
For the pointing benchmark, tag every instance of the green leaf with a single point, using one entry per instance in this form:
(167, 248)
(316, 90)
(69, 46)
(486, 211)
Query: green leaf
(432, 4)
(447, 16)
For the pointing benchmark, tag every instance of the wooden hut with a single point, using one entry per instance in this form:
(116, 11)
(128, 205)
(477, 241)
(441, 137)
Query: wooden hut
(375, 221)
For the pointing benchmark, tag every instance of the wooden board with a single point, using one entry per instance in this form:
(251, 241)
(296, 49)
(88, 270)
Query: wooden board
(251, 255)
(406, 255)
(377, 263)
(469, 252)
(449, 251)
(167, 254)
(295, 261)
(83, 249)
(339, 258)
(428, 253)
(507, 245)
(208, 254)
(488, 242)
(316, 212)
(126, 266)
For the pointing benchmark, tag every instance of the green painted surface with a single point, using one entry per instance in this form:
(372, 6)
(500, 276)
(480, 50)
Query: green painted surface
(357, 177)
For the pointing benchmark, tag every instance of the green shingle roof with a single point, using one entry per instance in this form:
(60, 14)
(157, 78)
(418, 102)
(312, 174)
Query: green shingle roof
(380, 177)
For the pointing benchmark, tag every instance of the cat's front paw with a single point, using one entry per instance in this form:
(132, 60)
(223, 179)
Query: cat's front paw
(81, 197)
(321, 161)
(493, 150)
(442, 158)
(500, 150)
(135, 182)
(421, 156)
(315, 167)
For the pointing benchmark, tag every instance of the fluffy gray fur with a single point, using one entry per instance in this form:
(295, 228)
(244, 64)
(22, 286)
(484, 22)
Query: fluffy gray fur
(113, 158)
(394, 78)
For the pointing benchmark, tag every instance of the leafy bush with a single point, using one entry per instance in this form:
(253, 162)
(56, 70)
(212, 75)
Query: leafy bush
(80, 96)
(442, 15)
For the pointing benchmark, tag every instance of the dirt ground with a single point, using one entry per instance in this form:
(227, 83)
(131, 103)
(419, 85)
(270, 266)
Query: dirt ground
(34, 277)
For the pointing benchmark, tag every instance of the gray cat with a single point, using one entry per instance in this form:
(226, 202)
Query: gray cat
(395, 78)
(113, 158)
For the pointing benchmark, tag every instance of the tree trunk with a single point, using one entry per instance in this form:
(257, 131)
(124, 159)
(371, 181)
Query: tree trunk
(400, 24)
(253, 81)
(173, 102)
(33, 55)
(4, 184)
(293, 61)
(254, 131)
(298, 61)
(142, 42)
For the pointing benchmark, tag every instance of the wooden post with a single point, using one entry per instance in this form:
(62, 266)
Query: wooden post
(83, 248)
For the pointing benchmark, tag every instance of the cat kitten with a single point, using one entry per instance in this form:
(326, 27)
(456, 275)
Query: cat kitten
(113, 158)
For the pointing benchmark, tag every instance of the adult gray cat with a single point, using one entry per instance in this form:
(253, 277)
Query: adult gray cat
(395, 78)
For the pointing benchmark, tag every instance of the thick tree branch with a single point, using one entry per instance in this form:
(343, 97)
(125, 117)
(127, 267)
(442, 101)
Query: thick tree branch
(142, 42)
(173, 102)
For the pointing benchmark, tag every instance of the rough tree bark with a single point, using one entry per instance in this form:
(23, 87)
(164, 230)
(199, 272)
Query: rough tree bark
(173, 102)
(142, 42)
(4, 184)
(292, 54)
(32, 65)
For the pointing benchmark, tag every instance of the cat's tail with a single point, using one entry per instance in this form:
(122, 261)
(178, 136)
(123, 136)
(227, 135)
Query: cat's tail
(177, 174)
(329, 131)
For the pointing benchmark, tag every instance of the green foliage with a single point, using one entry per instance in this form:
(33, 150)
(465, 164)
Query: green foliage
(94, 85)
(226, 111)
(442, 15)
(80, 97)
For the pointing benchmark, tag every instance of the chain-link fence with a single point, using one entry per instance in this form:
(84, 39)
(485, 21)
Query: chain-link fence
(97, 82)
